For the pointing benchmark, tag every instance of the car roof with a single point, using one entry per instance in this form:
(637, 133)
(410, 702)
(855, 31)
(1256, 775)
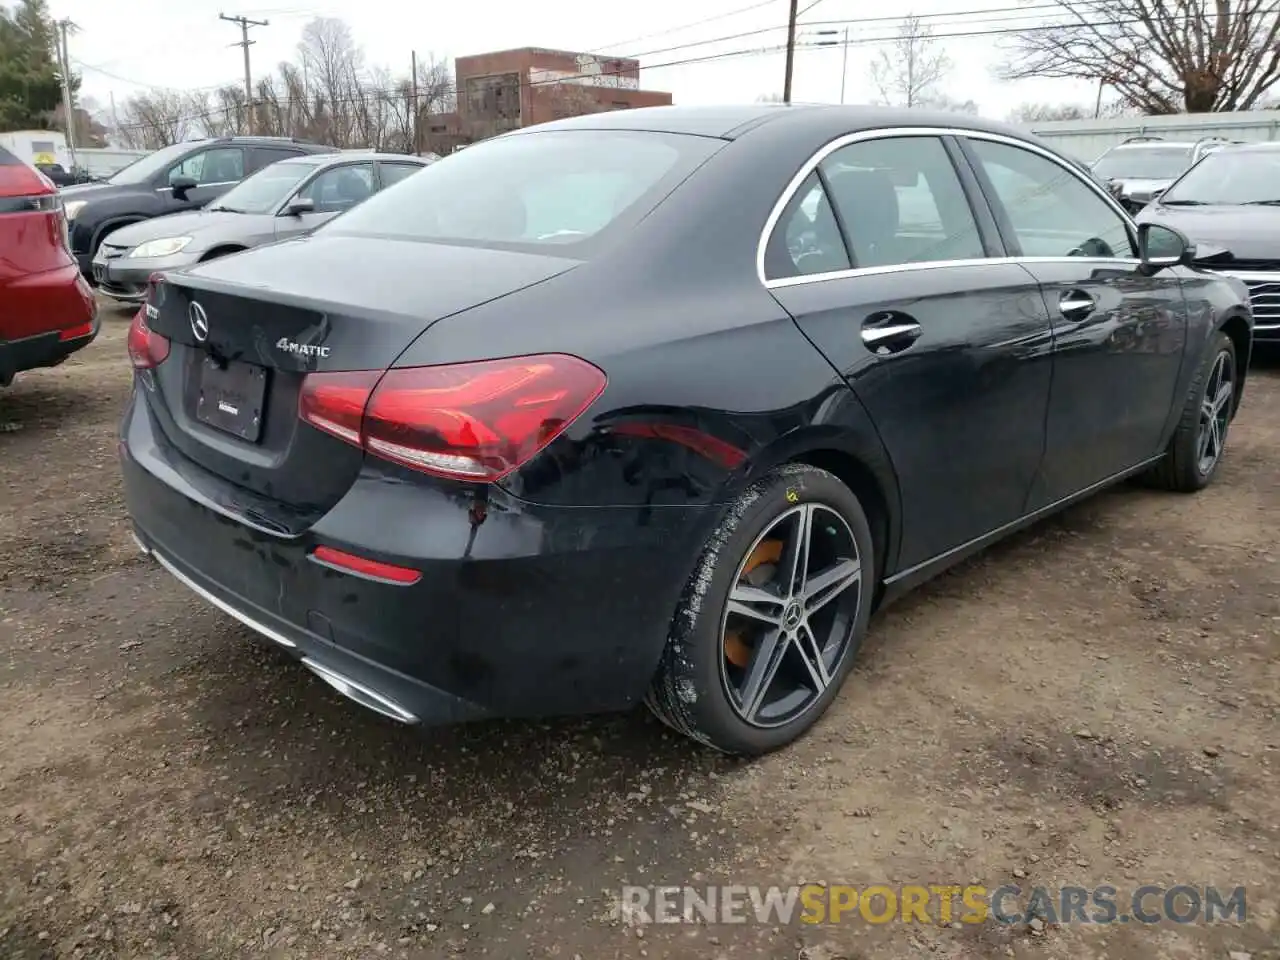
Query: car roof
(363, 156)
(731, 122)
(1265, 147)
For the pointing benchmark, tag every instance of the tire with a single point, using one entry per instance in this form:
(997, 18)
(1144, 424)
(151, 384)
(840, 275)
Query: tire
(706, 655)
(1184, 469)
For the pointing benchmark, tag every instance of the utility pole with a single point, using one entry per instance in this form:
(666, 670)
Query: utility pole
(844, 66)
(417, 140)
(1097, 106)
(245, 23)
(791, 50)
(64, 67)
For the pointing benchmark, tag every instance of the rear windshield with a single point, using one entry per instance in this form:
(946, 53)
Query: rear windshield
(557, 189)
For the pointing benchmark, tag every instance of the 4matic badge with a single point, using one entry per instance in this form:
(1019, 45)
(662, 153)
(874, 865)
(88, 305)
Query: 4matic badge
(301, 349)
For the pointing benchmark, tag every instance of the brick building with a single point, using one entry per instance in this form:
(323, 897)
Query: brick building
(518, 88)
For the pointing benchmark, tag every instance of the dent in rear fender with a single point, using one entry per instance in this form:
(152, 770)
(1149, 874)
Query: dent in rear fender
(686, 423)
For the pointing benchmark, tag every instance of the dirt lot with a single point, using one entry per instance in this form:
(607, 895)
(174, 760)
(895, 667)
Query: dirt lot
(1094, 701)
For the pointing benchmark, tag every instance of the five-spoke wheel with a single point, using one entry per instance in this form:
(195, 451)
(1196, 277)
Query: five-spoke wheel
(788, 614)
(772, 616)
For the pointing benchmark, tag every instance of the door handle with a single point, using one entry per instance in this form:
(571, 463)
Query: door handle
(1076, 304)
(889, 333)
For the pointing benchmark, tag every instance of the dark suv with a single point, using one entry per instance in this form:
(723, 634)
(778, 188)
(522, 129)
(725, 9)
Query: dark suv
(183, 176)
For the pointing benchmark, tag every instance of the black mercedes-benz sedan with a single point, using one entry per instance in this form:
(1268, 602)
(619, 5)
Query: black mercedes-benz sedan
(659, 405)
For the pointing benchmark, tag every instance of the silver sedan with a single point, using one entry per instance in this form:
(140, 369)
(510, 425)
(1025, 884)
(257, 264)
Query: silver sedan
(287, 199)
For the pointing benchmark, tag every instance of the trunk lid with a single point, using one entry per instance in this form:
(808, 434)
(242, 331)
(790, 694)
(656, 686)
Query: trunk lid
(245, 330)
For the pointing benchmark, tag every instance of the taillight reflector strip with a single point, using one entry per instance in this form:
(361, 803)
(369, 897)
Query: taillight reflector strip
(467, 421)
(75, 333)
(363, 566)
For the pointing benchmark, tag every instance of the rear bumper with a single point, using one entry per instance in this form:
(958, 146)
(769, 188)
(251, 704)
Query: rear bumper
(44, 349)
(531, 611)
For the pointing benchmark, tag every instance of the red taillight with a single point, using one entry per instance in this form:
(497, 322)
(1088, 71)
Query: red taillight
(468, 421)
(147, 348)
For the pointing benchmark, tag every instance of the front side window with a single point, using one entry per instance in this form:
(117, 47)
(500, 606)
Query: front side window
(901, 201)
(340, 188)
(218, 165)
(1053, 212)
(556, 189)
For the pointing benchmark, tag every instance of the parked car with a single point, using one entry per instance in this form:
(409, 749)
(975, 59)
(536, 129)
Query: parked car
(1229, 205)
(286, 199)
(60, 176)
(184, 176)
(1141, 167)
(660, 404)
(47, 311)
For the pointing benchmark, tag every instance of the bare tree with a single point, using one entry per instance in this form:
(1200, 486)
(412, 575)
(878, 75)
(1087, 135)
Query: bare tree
(907, 74)
(328, 95)
(1160, 56)
(156, 119)
(1042, 112)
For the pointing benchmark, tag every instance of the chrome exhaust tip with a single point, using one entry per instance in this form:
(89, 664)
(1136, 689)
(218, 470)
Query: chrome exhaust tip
(367, 698)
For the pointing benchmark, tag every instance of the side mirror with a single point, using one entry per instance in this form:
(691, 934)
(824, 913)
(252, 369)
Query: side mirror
(180, 186)
(300, 205)
(1160, 246)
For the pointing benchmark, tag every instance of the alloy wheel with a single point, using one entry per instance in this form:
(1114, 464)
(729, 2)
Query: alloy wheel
(789, 618)
(1215, 413)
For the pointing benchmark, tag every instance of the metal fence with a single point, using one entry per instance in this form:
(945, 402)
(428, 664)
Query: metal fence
(1089, 139)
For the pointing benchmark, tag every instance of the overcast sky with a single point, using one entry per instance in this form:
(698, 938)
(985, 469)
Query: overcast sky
(183, 44)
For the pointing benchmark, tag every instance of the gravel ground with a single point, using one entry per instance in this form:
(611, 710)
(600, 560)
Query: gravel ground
(1095, 700)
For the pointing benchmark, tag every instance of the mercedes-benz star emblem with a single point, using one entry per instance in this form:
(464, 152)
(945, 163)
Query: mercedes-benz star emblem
(199, 322)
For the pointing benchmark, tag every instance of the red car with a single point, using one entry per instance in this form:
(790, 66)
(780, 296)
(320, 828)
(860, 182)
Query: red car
(47, 310)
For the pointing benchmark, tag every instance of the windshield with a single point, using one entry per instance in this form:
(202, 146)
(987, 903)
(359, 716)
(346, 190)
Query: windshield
(1230, 177)
(533, 190)
(144, 168)
(1143, 163)
(264, 191)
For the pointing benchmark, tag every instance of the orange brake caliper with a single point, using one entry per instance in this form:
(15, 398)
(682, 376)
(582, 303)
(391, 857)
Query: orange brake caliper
(736, 650)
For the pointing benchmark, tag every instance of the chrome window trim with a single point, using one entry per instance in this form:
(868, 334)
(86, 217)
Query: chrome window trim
(883, 133)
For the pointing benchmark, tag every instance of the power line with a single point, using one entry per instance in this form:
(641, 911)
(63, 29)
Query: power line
(688, 26)
(366, 95)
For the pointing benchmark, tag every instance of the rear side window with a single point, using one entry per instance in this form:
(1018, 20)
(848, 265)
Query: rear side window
(557, 189)
(264, 156)
(395, 172)
(901, 201)
(807, 239)
(7, 159)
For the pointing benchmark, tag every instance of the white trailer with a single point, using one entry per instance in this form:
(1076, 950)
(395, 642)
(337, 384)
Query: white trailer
(37, 146)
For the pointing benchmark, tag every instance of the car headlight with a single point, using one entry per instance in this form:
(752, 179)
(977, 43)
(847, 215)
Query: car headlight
(73, 207)
(165, 247)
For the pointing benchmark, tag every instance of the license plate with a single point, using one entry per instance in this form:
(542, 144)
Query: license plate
(231, 398)
(99, 272)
